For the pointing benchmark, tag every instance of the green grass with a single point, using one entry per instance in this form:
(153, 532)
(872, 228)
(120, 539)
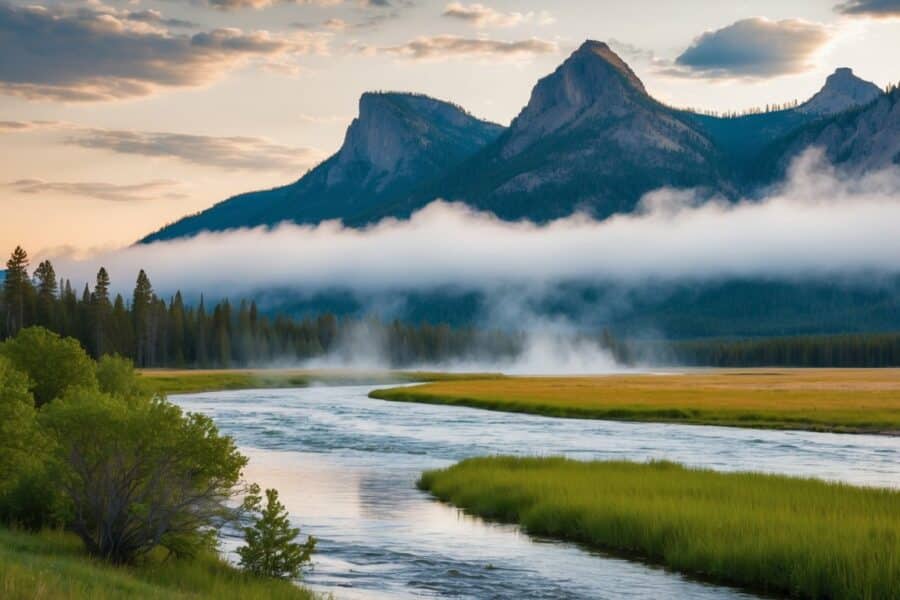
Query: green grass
(189, 381)
(53, 566)
(839, 400)
(782, 535)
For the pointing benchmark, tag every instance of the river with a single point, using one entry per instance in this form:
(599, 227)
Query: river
(346, 467)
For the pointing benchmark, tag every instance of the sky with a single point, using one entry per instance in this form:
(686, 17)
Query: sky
(117, 117)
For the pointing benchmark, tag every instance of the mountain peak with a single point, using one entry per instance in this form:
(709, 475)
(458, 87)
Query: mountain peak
(842, 90)
(593, 49)
(592, 83)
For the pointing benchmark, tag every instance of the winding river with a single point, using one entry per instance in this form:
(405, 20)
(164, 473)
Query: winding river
(346, 466)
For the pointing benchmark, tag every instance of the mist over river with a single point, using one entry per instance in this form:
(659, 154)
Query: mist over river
(346, 467)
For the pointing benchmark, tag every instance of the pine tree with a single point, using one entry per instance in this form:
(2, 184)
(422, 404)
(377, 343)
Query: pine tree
(271, 549)
(15, 290)
(102, 308)
(202, 336)
(141, 312)
(47, 291)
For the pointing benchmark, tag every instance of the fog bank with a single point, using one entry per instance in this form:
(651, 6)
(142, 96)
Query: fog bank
(816, 224)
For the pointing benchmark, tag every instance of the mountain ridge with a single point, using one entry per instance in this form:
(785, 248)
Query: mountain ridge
(590, 139)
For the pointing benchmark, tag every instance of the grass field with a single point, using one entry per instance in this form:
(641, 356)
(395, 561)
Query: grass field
(187, 381)
(53, 566)
(848, 400)
(798, 537)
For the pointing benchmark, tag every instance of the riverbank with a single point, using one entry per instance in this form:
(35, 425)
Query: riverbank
(192, 381)
(832, 400)
(53, 566)
(773, 534)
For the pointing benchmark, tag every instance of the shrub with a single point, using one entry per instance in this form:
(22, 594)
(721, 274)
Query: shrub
(139, 473)
(116, 376)
(27, 498)
(271, 549)
(52, 363)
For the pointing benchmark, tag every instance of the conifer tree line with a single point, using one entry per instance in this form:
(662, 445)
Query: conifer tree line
(157, 332)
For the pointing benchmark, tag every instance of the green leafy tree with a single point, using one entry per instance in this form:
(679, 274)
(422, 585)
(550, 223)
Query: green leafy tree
(117, 377)
(271, 548)
(52, 363)
(27, 498)
(140, 474)
(17, 421)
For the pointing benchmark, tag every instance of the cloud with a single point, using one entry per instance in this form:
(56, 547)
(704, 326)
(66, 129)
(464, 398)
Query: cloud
(97, 55)
(870, 8)
(17, 126)
(138, 192)
(227, 5)
(223, 152)
(442, 47)
(818, 224)
(479, 15)
(755, 48)
(156, 17)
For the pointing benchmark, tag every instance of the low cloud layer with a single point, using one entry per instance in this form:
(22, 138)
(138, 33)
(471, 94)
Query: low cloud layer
(223, 152)
(96, 55)
(870, 8)
(479, 15)
(442, 47)
(755, 47)
(817, 224)
(137, 192)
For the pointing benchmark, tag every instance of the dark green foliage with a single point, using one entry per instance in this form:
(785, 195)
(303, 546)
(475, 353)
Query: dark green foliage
(17, 291)
(116, 376)
(52, 363)
(869, 350)
(271, 548)
(26, 496)
(139, 473)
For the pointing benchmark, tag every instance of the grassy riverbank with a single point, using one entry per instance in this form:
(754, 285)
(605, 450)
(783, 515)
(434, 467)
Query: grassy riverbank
(845, 400)
(782, 535)
(188, 381)
(53, 566)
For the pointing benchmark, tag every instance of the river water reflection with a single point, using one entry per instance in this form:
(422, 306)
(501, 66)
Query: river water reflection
(346, 466)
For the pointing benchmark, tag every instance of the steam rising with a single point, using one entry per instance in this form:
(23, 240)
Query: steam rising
(816, 224)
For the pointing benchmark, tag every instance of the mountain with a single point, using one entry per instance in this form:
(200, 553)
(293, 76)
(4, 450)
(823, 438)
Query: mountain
(397, 141)
(590, 139)
(842, 91)
(857, 140)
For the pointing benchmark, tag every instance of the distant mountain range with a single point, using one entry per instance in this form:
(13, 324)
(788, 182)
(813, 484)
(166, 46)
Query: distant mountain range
(590, 139)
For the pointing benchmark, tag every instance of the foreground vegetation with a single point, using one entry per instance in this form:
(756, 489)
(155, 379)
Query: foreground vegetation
(821, 400)
(143, 487)
(799, 537)
(53, 565)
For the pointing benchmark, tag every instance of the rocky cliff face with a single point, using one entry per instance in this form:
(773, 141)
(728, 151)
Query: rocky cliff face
(856, 141)
(842, 91)
(401, 136)
(398, 141)
(590, 139)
